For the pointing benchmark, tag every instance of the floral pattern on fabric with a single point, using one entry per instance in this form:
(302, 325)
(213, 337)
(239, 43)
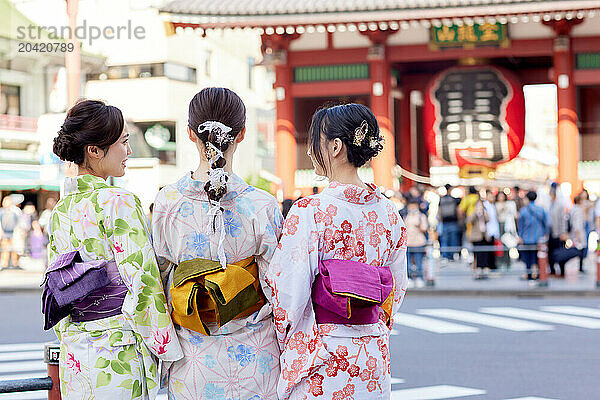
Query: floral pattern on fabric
(114, 357)
(240, 360)
(334, 361)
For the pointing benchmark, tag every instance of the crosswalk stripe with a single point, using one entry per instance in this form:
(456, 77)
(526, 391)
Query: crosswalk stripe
(432, 325)
(581, 322)
(22, 355)
(435, 392)
(21, 347)
(38, 395)
(531, 398)
(33, 366)
(39, 374)
(483, 319)
(583, 311)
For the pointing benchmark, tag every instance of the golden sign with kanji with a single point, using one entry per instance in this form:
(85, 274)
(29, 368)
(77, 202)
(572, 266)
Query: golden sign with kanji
(469, 36)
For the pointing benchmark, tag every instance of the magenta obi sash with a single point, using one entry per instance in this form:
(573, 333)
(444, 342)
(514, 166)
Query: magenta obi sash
(351, 292)
(87, 290)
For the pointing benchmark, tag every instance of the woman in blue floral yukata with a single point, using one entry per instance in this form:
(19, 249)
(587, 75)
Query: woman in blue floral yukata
(215, 235)
(102, 291)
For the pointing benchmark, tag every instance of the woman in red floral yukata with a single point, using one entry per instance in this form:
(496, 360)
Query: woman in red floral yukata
(339, 272)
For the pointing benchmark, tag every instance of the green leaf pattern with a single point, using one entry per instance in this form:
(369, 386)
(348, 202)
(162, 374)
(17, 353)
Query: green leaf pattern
(124, 358)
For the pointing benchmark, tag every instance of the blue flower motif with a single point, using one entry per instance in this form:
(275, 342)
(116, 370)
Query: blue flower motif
(242, 354)
(196, 340)
(210, 361)
(245, 206)
(264, 362)
(197, 243)
(186, 209)
(255, 397)
(213, 392)
(233, 226)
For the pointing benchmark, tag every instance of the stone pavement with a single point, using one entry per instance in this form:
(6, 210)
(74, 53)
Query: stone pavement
(454, 278)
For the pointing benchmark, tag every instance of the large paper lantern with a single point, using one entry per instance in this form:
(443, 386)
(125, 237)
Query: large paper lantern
(474, 115)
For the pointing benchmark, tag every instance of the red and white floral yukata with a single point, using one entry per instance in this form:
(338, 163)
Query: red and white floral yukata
(334, 361)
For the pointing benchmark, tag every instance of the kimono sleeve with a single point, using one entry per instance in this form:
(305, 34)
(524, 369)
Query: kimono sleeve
(160, 239)
(267, 239)
(399, 271)
(145, 307)
(290, 277)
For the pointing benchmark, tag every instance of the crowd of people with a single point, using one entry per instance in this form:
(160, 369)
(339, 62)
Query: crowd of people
(490, 222)
(23, 230)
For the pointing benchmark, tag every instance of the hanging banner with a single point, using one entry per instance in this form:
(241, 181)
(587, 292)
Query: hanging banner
(474, 116)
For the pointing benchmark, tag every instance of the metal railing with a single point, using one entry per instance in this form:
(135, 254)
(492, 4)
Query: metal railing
(49, 383)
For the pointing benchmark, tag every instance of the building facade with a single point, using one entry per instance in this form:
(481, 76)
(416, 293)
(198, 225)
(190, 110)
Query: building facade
(385, 55)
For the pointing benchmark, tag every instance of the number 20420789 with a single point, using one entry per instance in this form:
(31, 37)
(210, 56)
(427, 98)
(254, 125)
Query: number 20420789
(46, 47)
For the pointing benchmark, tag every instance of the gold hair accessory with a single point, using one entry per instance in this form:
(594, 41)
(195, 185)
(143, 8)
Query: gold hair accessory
(360, 133)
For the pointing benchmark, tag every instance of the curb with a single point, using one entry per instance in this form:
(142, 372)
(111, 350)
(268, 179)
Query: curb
(431, 292)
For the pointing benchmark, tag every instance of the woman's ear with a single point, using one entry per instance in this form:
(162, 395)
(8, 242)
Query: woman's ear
(241, 135)
(94, 153)
(335, 147)
(192, 135)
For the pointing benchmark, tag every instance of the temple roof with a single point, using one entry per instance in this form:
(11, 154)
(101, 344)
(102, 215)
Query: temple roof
(256, 13)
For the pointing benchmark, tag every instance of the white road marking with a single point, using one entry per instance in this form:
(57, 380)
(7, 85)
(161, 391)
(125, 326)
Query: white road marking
(33, 366)
(531, 398)
(432, 325)
(22, 355)
(38, 395)
(483, 319)
(21, 347)
(435, 392)
(583, 311)
(39, 374)
(580, 322)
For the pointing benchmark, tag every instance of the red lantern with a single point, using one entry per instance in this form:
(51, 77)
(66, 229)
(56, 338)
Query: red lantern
(474, 115)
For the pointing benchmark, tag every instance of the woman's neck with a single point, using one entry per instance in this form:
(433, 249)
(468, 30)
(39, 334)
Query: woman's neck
(348, 176)
(85, 171)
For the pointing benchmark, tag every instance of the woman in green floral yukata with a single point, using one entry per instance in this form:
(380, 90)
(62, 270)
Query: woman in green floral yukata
(111, 338)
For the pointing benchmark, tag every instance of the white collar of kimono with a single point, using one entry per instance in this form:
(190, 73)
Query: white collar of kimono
(193, 188)
(83, 183)
(352, 193)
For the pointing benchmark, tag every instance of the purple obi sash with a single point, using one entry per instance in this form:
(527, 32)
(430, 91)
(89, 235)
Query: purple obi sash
(87, 290)
(350, 292)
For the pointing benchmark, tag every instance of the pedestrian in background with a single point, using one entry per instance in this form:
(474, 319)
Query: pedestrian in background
(416, 228)
(577, 232)
(10, 216)
(492, 237)
(507, 214)
(532, 229)
(477, 234)
(448, 229)
(558, 232)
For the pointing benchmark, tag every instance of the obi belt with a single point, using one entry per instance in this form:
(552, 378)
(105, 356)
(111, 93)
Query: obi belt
(203, 292)
(351, 292)
(86, 291)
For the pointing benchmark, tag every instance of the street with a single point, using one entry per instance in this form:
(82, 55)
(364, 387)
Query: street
(441, 347)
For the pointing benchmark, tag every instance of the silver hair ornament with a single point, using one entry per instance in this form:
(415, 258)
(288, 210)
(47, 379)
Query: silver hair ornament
(219, 129)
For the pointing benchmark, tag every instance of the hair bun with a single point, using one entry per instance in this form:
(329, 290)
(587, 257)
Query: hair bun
(67, 149)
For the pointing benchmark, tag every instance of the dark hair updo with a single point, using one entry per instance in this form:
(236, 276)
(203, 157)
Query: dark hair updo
(219, 105)
(88, 123)
(354, 124)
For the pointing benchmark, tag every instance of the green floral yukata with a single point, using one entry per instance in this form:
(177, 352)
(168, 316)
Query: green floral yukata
(114, 357)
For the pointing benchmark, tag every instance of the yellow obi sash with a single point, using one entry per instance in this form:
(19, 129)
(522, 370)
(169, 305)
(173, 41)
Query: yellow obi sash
(203, 292)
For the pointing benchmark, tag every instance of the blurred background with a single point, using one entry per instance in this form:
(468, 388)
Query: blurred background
(481, 103)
